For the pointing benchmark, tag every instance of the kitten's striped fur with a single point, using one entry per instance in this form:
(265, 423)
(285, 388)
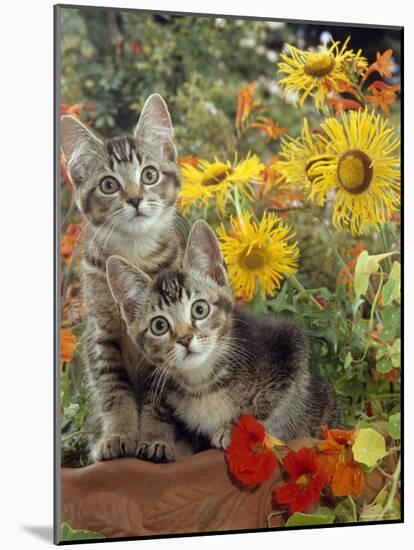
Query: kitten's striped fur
(216, 368)
(137, 222)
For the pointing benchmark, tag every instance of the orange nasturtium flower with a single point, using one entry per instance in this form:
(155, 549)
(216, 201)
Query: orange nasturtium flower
(269, 127)
(382, 65)
(68, 343)
(250, 455)
(336, 458)
(382, 95)
(306, 480)
(245, 104)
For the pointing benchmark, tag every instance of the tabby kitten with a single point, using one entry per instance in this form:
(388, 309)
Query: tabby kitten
(216, 361)
(126, 188)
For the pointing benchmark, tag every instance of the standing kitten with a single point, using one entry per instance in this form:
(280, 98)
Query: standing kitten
(126, 188)
(218, 361)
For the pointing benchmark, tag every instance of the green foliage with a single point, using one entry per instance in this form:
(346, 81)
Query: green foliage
(322, 516)
(394, 425)
(68, 533)
(369, 447)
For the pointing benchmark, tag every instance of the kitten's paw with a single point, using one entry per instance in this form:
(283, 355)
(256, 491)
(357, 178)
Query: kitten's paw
(115, 446)
(221, 438)
(156, 451)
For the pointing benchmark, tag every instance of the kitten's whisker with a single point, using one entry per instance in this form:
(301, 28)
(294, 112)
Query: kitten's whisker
(103, 226)
(162, 372)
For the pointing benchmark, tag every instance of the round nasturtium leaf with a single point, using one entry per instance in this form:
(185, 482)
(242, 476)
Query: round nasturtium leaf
(394, 426)
(369, 447)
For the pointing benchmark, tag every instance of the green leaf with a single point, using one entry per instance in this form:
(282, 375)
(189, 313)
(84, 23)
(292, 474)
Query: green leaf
(391, 289)
(375, 510)
(322, 516)
(371, 513)
(361, 279)
(365, 266)
(344, 511)
(394, 426)
(71, 410)
(369, 447)
(391, 322)
(348, 360)
(372, 263)
(384, 365)
(395, 353)
(67, 533)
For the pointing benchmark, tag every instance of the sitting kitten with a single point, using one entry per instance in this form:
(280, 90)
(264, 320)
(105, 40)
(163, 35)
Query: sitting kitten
(126, 188)
(217, 361)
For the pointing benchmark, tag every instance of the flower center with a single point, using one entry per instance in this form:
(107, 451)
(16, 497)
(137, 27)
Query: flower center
(319, 64)
(304, 480)
(253, 258)
(345, 456)
(355, 171)
(217, 174)
(258, 447)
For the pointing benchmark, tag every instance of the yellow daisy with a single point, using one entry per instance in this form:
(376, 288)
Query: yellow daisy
(257, 253)
(315, 73)
(214, 180)
(298, 156)
(361, 166)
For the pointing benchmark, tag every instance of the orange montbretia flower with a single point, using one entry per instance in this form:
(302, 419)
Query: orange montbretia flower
(269, 127)
(250, 456)
(68, 241)
(65, 173)
(270, 176)
(245, 104)
(73, 110)
(382, 65)
(382, 95)
(192, 160)
(336, 459)
(68, 343)
(343, 104)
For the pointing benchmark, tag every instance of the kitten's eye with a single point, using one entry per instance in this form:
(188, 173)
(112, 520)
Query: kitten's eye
(149, 175)
(109, 185)
(159, 326)
(200, 309)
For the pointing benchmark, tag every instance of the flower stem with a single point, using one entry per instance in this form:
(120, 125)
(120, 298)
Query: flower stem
(384, 473)
(237, 204)
(386, 244)
(334, 247)
(393, 490)
(374, 303)
(299, 286)
(354, 510)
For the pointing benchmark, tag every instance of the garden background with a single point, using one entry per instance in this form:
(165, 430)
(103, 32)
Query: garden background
(205, 68)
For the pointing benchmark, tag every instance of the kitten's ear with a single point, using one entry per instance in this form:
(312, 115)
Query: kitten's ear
(79, 146)
(155, 126)
(129, 286)
(203, 253)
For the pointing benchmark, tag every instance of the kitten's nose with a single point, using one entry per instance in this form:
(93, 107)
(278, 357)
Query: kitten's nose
(135, 201)
(185, 340)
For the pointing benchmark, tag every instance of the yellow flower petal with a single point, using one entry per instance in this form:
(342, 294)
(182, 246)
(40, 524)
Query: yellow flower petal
(314, 73)
(257, 253)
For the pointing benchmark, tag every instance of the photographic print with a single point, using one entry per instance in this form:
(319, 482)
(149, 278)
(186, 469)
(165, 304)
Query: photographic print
(228, 274)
